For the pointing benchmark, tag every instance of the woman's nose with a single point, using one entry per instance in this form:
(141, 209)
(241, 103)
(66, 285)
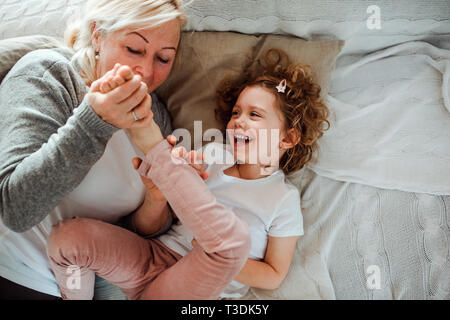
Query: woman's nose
(146, 72)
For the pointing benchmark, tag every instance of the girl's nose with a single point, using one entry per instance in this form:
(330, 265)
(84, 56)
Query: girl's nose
(240, 122)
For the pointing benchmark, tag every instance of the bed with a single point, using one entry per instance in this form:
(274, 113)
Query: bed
(376, 203)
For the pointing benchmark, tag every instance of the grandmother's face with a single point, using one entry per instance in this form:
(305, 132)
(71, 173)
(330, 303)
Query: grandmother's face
(149, 52)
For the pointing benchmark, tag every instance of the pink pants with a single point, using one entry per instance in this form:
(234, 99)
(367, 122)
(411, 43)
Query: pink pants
(146, 269)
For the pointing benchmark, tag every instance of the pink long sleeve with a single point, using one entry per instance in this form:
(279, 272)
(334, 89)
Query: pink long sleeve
(214, 227)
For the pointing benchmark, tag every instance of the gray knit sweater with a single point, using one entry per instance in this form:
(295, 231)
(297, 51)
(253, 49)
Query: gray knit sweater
(50, 136)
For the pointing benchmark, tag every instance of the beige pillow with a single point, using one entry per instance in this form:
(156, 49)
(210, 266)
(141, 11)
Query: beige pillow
(206, 57)
(11, 50)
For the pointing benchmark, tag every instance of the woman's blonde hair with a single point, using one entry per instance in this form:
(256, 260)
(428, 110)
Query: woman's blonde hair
(301, 104)
(112, 15)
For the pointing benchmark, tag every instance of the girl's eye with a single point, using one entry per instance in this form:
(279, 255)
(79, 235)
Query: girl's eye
(234, 113)
(133, 51)
(254, 114)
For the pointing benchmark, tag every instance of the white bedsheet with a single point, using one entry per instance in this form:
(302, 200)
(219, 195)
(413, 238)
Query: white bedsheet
(392, 120)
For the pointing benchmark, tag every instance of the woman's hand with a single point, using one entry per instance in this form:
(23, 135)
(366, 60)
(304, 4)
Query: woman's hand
(115, 103)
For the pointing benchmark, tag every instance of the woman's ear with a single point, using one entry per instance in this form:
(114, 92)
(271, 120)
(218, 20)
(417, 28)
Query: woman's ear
(291, 139)
(95, 38)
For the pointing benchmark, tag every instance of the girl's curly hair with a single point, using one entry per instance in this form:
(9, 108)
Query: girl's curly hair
(300, 105)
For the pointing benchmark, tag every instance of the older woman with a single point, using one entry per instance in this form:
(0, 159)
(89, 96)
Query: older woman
(62, 151)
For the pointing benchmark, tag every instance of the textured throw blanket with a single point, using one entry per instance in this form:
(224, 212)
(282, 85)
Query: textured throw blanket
(391, 120)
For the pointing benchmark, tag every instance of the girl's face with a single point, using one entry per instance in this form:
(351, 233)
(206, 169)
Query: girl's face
(150, 53)
(256, 128)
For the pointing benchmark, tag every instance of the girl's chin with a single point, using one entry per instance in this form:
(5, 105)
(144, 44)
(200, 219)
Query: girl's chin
(239, 159)
(244, 159)
(245, 153)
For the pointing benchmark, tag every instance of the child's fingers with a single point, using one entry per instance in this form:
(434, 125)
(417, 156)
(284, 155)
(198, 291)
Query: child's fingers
(179, 152)
(136, 163)
(172, 139)
(195, 157)
(204, 175)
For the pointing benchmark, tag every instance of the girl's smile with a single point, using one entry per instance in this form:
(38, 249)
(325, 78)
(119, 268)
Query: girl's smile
(250, 130)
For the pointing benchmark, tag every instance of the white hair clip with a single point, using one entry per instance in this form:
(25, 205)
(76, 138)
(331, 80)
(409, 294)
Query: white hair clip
(282, 86)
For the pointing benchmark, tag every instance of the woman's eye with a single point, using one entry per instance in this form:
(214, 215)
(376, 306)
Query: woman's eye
(133, 51)
(163, 60)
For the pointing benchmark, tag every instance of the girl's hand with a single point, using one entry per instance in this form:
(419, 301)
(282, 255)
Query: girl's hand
(152, 189)
(191, 157)
(124, 96)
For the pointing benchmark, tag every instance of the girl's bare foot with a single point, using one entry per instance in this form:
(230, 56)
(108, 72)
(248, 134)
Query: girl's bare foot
(118, 76)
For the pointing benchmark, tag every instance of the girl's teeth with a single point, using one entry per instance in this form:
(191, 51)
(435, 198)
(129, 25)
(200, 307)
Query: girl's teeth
(242, 138)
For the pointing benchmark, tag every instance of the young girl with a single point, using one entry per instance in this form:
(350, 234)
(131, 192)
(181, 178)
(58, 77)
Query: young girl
(241, 224)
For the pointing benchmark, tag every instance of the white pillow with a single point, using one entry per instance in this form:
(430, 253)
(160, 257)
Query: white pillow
(392, 120)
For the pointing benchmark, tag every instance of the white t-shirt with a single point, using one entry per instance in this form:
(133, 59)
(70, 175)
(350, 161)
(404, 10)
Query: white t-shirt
(270, 206)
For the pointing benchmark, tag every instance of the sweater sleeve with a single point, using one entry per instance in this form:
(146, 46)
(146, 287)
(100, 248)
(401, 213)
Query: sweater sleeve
(50, 137)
